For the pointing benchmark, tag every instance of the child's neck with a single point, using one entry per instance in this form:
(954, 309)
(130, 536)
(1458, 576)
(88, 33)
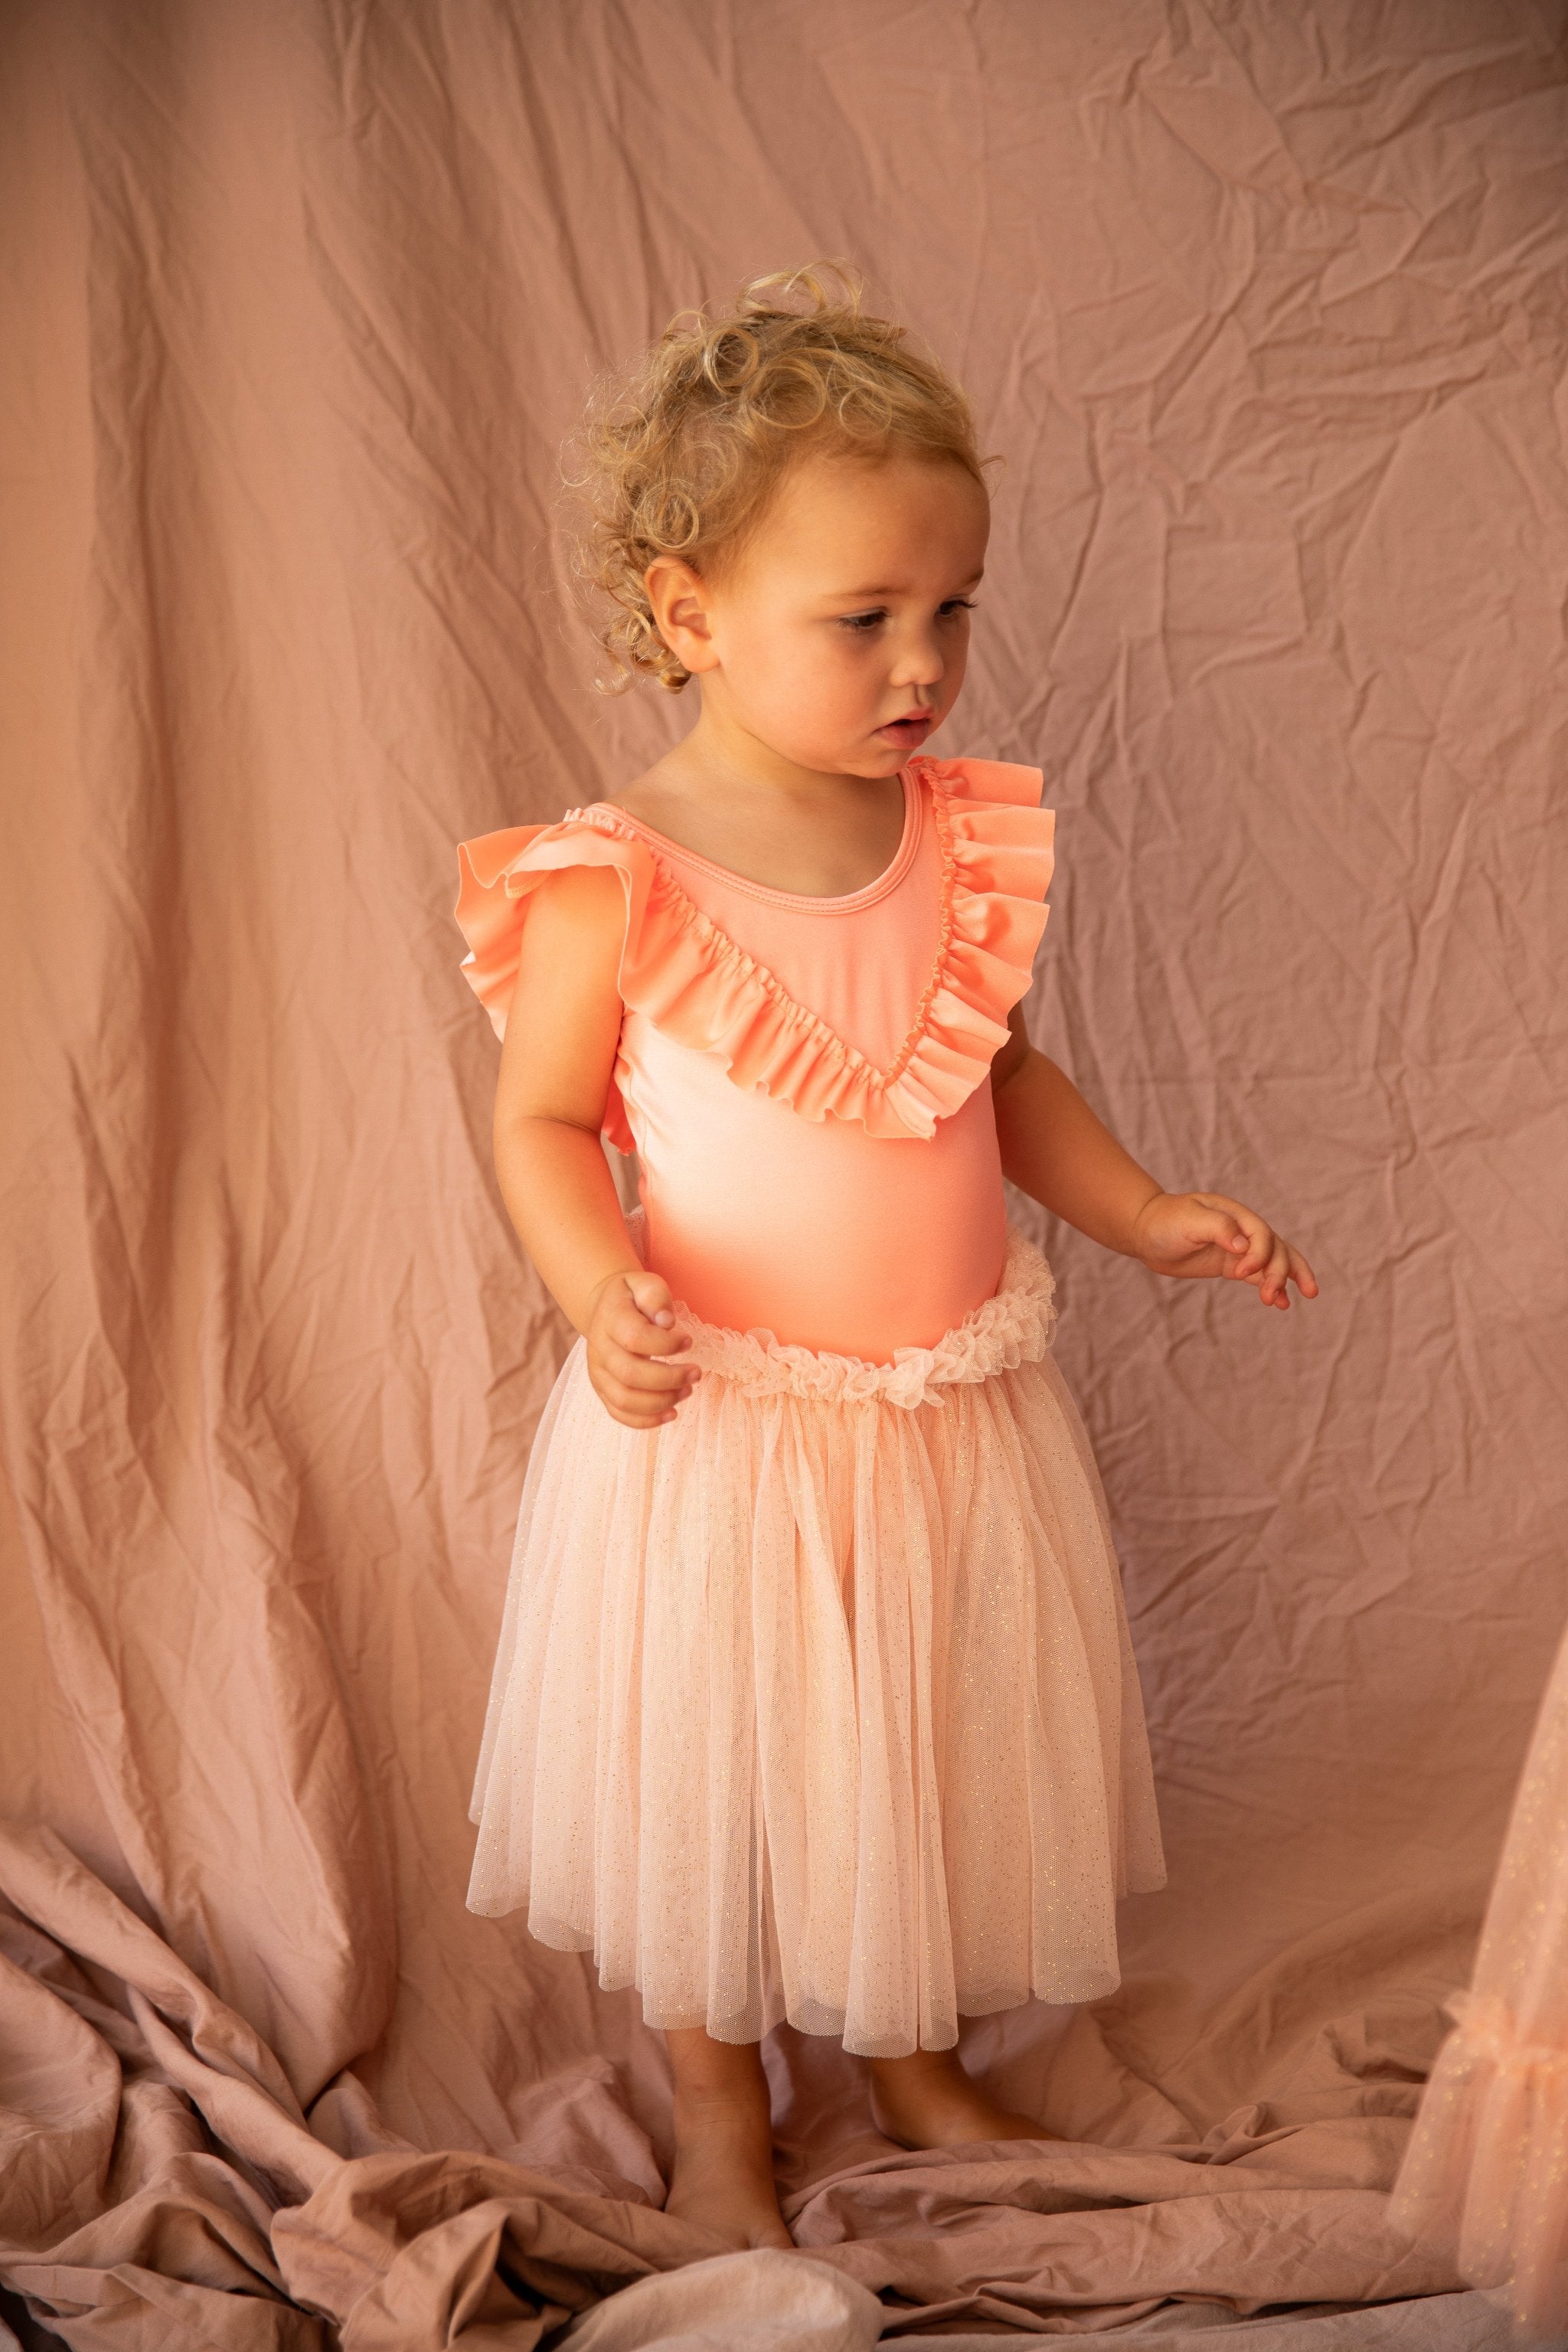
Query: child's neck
(725, 795)
(721, 754)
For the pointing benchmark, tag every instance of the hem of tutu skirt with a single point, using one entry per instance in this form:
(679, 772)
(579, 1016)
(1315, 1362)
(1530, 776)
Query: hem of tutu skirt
(814, 2018)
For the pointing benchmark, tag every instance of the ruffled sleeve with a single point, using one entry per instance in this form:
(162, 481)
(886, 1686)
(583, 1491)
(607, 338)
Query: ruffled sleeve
(699, 986)
(497, 874)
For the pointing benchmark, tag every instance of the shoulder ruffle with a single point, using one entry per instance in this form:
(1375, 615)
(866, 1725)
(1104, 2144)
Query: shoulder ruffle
(700, 987)
(497, 874)
(998, 854)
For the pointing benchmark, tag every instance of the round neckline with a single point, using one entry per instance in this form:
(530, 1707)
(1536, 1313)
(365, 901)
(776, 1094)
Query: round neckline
(809, 901)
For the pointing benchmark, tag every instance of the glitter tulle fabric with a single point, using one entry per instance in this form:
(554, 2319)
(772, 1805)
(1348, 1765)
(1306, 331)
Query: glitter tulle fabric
(1487, 2168)
(817, 1702)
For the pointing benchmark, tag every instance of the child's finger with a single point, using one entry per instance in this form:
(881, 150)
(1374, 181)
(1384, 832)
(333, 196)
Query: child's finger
(644, 1374)
(636, 1370)
(1271, 1279)
(1256, 1236)
(630, 1325)
(650, 1295)
(1240, 1245)
(645, 1339)
(1285, 1266)
(627, 1391)
(1221, 1221)
(632, 1412)
(1262, 1248)
(1260, 1242)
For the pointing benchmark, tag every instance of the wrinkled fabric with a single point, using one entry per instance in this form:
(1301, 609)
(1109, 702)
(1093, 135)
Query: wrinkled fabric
(763, 2302)
(1262, 308)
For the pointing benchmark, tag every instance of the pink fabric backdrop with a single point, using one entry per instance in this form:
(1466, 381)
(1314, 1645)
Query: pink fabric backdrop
(1264, 309)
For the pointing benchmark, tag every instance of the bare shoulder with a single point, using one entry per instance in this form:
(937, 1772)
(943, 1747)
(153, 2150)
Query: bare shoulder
(577, 922)
(653, 796)
(683, 808)
(578, 892)
(631, 797)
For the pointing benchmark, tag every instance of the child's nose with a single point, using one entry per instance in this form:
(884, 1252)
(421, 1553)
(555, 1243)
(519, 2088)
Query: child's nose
(919, 660)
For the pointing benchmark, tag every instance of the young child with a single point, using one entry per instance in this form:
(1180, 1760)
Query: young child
(815, 1699)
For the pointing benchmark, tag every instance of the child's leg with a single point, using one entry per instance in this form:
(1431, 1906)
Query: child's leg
(723, 2171)
(928, 2101)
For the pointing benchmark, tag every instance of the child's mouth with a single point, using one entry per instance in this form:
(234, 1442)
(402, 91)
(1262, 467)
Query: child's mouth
(912, 729)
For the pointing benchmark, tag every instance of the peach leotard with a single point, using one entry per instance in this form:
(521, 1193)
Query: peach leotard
(802, 1079)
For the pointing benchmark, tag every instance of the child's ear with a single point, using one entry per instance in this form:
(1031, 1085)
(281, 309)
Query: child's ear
(679, 599)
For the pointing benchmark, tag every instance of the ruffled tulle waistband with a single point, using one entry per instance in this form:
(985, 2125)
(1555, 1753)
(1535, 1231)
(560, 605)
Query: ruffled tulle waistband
(1013, 1326)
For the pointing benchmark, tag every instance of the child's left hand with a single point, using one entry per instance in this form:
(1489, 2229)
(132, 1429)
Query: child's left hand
(1195, 1234)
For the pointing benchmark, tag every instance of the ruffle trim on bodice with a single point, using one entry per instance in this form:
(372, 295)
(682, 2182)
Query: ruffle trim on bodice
(700, 987)
(1013, 1326)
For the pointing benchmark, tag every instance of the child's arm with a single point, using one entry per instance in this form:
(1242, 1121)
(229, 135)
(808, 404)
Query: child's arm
(562, 1032)
(1057, 1151)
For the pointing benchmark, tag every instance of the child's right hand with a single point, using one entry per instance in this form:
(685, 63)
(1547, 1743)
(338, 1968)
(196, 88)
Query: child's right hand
(630, 1327)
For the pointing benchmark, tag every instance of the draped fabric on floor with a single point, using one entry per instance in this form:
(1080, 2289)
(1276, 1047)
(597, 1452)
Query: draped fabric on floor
(1262, 307)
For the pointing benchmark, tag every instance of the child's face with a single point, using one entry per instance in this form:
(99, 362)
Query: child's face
(838, 637)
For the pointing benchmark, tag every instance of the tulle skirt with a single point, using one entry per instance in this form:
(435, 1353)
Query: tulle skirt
(817, 1702)
(1487, 2169)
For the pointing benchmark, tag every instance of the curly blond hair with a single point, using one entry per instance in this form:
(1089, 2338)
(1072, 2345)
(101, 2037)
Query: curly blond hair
(679, 454)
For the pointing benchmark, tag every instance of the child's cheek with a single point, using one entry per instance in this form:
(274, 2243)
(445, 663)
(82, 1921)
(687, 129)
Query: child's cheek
(824, 674)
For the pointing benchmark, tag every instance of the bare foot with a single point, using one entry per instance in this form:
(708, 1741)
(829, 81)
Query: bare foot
(722, 2177)
(928, 2101)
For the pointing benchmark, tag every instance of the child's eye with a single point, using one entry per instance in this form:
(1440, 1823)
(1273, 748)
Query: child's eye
(860, 624)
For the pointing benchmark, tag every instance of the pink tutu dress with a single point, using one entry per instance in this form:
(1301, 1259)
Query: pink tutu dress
(817, 1701)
